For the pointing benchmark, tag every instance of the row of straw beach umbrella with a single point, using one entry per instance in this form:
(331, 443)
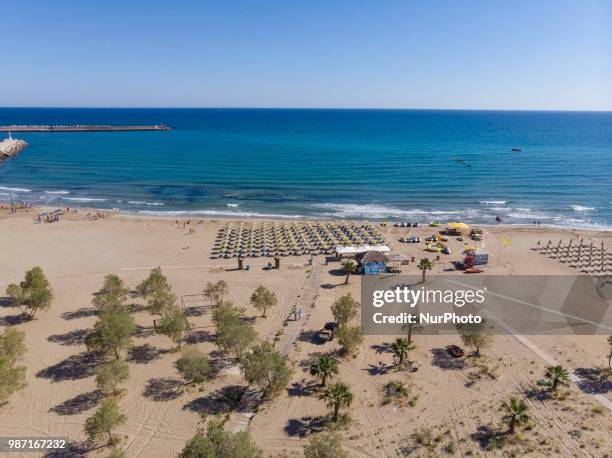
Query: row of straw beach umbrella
(589, 257)
(254, 239)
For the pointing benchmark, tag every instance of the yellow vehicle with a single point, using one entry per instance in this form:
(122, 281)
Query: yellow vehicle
(433, 248)
(434, 224)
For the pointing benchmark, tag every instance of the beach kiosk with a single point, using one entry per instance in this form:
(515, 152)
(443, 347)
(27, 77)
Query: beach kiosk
(372, 262)
(476, 257)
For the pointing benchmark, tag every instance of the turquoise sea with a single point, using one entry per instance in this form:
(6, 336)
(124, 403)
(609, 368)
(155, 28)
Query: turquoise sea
(409, 165)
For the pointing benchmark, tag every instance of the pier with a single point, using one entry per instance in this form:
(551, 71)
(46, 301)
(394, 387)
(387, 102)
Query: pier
(80, 128)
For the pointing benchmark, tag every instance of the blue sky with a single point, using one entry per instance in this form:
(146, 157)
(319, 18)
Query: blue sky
(522, 54)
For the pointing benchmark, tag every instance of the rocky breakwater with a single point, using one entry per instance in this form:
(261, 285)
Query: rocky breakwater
(10, 148)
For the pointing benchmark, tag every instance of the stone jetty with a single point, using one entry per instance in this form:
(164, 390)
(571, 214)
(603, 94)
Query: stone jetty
(11, 148)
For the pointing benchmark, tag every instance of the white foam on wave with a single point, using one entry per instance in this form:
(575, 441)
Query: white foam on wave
(232, 205)
(62, 193)
(493, 202)
(142, 202)
(378, 211)
(6, 188)
(84, 199)
(235, 214)
(581, 208)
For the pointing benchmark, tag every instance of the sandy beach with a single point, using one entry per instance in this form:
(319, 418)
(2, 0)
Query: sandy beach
(451, 401)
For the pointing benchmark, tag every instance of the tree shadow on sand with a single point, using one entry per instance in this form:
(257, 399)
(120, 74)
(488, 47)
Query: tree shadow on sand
(303, 388)
(486, 436)
(143, 354)
(302, 427)
(71, 450)
(76, 337)
(13, 320)
(144, 331)
(379, 369)
(200, 336)
(593, 380)
(381, 348)
(223, 400)
(84, 312)
(75, 367)
(78, 404)
(164, 389)
(441, 359)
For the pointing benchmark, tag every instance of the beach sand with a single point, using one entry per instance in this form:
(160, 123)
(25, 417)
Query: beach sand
(76, 254)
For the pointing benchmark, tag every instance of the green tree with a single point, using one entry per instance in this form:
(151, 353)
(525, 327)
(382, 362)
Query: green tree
(12, 345)
(174, 325)
(557, 375)
(104, 421)
(113, 291)
(32, 294)
(324, 445)
(400, 348)
(424, 265)
(350, 337)
(344, 309)
(110, 375)
(349, 267)
(475, 335)
(233, 336)
(324, 367)
(193, 365)
(266, 367)
(113, 331)
(262, 299)
(12, 350)
(12, 379)
(516, 414)
(157, 292)
(215, 442)
(336, 397)
(216, 292)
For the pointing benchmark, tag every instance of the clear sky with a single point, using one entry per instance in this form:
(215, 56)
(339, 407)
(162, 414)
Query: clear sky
(520, 54)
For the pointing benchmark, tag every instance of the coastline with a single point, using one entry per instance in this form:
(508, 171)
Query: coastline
(178, 216)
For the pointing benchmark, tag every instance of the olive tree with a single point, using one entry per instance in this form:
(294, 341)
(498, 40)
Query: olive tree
(113, 291)
(266, 367)
(350, 337)
(110, 375)
(157, 292)
(112, 333)
(106, 419)
(475, 335)
(344, 309)
(32, 294)
(216, 292)
(324, 445)
(174, 325)
(193, 365)
(233, 335)
(12, 350)
(262, 299)
(215, 442)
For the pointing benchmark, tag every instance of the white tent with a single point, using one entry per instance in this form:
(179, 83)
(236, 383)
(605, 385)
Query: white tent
(343, 250)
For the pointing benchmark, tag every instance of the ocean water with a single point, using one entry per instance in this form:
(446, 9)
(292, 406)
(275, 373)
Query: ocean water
(408, 165)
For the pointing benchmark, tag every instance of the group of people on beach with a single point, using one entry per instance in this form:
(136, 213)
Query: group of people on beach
(188, 223)
(24, 205)
(95, 216)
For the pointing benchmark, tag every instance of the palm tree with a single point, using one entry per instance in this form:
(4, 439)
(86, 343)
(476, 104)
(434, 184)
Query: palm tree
(400, 349)
(516, 414)
(325, 367)
(424, 265)
(349, 267)
(412, 328)
(557, 376)
(337, 396)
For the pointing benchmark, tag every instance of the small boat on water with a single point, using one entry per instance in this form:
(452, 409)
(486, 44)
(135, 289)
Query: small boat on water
(517, 149)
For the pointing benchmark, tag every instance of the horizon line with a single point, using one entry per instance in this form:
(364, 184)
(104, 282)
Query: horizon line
(93, 107)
